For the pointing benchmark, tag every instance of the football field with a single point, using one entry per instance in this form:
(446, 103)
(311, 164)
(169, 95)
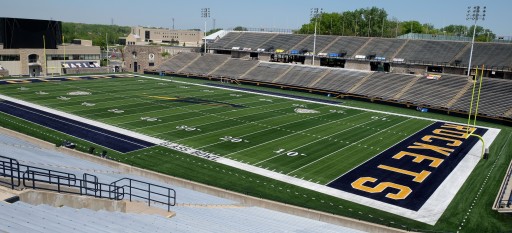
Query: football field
(291, 137)
(308, 142)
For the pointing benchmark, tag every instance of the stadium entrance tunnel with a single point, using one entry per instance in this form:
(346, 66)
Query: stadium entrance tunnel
(380, 66)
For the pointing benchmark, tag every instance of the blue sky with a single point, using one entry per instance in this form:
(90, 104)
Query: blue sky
(289, 14)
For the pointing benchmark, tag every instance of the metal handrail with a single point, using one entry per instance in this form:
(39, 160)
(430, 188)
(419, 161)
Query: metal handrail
(34, 177)
(169, 193)
(12, 167)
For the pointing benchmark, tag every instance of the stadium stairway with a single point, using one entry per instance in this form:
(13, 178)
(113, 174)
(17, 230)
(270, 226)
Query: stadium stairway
(357, 85)
(407, 87)
(363, 46)
(234, 39)
(249, 70)
(301, 42)
(190, 63)
(325, 73)
(461, 52)
(276, 80)
(399, 49)
(218, 67)
(330, 44)
(459, 94)
(265, 42)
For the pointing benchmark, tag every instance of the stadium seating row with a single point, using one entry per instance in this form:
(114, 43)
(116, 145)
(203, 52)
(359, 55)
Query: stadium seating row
(410, 51)
(450, 92)
(196, 211)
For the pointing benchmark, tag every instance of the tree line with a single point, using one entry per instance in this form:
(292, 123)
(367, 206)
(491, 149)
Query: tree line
(95, 32)
(374, 22)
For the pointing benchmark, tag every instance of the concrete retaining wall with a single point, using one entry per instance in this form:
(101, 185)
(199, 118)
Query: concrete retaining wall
(35, 197)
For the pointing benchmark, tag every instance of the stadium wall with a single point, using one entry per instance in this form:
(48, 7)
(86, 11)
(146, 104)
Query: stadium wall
(408, 69)
(358, 65)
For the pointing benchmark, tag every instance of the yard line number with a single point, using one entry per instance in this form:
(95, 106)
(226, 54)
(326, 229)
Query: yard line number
(289, 153)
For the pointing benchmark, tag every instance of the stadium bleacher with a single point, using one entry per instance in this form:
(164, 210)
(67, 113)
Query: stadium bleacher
(178, 62)
(381, 47)
(493, 55)
(205, 64)
(283, 41)
(321, 43)
(340, 80)
(497, 56)
(224, 41)
(495, 98)
(430, 52)
(196, 211)
(300, 76)
(434, 92)
(450, 92)
(266, 72)
(234, 68)
(348, 45)
(250, 40)
(383, 85)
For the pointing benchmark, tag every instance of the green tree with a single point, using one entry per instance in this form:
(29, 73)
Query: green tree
(213, 31)
(240, 28)
(363, 22)
(95, 32)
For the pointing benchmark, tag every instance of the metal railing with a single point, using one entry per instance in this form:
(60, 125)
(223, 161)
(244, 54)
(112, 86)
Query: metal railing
(147, 191)
(62, 182)
(501, 197)
(10, 168)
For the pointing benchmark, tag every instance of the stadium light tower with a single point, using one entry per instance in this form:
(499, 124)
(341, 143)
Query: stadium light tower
(474, 15)
(205, 13)
(315, 12)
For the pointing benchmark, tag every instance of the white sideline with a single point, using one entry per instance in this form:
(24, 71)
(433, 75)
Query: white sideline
(429, 213)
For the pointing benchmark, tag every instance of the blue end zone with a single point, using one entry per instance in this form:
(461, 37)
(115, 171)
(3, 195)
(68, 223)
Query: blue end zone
(97, 135)
(408, 173)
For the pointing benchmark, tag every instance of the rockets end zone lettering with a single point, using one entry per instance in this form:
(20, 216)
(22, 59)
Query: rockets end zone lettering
(407, 174)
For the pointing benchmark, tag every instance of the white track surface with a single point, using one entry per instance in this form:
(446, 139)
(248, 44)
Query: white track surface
(429, 213)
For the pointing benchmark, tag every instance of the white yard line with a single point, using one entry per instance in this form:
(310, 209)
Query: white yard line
(308, 101)
(202, 114)
(298, 132)
(311, 142)
(254, 122)
(328, 155)
(259, 131)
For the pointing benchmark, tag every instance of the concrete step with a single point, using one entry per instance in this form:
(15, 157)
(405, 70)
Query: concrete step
(143, 208)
